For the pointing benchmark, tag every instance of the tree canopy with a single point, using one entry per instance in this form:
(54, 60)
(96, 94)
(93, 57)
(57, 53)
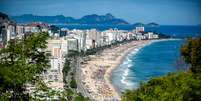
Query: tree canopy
(21, 62)
(191, 52)
(174, 87)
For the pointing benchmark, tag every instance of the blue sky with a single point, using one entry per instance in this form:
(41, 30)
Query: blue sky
(166, 12)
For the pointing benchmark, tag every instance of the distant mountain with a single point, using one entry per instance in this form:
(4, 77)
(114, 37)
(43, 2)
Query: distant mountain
(152, 24)
(138, 24)
(107, 19)
(3, 16)
(27, 18)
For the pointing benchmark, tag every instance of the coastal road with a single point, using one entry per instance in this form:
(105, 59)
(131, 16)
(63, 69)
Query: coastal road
(78, 77)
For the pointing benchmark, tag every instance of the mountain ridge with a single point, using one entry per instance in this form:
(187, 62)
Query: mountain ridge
(107, 19)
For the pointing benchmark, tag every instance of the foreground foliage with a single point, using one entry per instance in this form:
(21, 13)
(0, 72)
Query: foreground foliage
(180, 86)
(191, 52)
(21, 62)
(174, 87)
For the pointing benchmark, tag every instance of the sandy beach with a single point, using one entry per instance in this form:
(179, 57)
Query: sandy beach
(96, 70)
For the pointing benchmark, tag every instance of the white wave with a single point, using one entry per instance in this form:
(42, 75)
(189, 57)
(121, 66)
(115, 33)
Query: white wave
(128, 59)
(126, 82)
(126, 72)
(129, 65)
(137, 49)
(134, 52)
(125, 63)
(125, 68)
(123, 79)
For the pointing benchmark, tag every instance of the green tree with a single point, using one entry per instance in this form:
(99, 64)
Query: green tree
(191, 53)
(73, 83)
(66, 69)
(173, 87)
(79, 97)
(21, 62)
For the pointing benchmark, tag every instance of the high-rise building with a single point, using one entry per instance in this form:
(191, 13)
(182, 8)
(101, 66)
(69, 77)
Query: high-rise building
(139, 29)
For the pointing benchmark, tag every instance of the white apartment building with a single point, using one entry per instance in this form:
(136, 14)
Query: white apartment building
(34, 29)
(80, 35)
(139, 29)
(72, 43)
(110, 37)
(116, 35)
(93, 38)
(20, 31)
(57, 49)
(151, 35)
(130, 36)
(140, 36)
(11, 32)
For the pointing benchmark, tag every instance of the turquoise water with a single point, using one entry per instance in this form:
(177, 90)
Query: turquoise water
(156, 59)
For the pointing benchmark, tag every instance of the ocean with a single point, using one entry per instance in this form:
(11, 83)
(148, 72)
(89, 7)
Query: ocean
(153, 60)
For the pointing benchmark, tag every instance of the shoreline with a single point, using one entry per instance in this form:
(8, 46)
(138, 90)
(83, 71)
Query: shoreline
(126, 54)
(97, 72)
(140, 47)
(122, 60)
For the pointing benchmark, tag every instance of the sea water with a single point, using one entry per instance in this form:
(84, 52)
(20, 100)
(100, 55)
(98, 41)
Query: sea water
(153, 60)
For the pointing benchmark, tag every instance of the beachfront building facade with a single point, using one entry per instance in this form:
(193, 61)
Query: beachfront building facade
(72, 44)
(151, 35)
(140, 29)
(140, 36)
(80, 35)
(114, 35)
(130, 36)
(93, 38)
(110, 36)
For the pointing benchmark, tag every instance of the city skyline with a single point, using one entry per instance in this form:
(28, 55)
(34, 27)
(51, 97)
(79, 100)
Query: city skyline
(166, 12)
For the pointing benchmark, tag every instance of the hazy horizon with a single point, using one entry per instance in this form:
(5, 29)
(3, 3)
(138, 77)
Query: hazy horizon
(166, 12)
